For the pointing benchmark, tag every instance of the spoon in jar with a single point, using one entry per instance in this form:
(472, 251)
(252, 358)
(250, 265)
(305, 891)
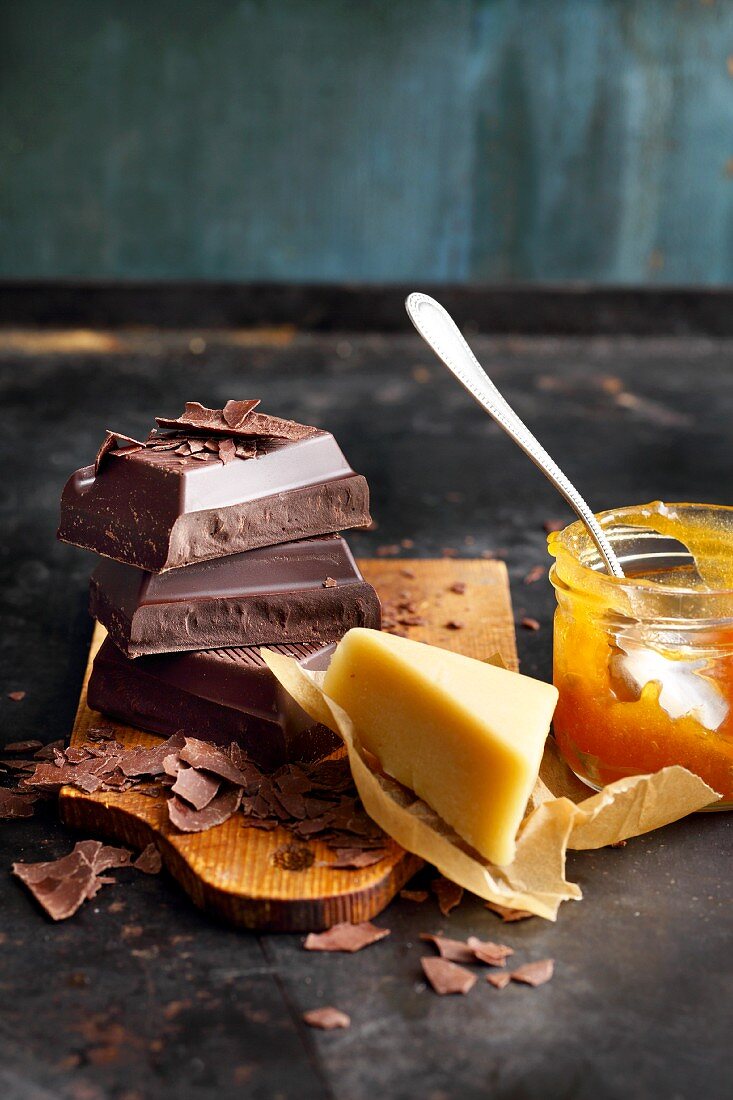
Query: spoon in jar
(439, 330)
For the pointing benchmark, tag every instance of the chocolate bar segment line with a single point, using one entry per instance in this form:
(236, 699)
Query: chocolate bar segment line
(160, 510)
(307, 591)
(219, 695)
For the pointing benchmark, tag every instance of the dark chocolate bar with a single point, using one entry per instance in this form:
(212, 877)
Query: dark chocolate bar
(197, 493)
(219, 695)
(307, 591)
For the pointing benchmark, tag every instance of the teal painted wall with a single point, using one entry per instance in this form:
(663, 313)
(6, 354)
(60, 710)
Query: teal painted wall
(464, 140)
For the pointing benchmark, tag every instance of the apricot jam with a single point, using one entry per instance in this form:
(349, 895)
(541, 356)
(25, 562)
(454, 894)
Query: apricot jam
(644, 663)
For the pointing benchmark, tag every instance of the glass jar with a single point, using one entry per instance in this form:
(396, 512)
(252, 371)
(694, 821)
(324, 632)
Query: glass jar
(644, 664)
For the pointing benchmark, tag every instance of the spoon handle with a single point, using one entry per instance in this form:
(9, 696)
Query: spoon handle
(440, 331)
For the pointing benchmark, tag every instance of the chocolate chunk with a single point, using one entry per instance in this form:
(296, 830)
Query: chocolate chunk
(220, 695)
(345, 937)
(493, 954)
(271, 595)
(448, 893)
(16, 696)
(219, 810)
(534, 973)
(445, 977)
(454, 950)
(160, 510)
(195, 787)
(507, 914)
(326, 1018)
(500, 980)
(149, 861)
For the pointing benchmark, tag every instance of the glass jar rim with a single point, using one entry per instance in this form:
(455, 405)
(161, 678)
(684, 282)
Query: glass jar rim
(635, 535)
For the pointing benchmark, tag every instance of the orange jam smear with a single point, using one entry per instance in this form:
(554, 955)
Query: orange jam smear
(607, 729)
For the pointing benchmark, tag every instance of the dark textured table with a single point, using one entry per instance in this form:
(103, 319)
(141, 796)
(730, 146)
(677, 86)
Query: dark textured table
(141, 996)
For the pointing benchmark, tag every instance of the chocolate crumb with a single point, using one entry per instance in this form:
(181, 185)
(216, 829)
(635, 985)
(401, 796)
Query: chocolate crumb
(446, 977)
(459, 587)
(327, 1018)
(16, 696)
(149, 861)
(448, 893)
(293, 857)
(500, 980)
(534, 973)
(454, 624)
(330, 583)
(529, 624)
(535, 574)
(345, 937)
(409, 573)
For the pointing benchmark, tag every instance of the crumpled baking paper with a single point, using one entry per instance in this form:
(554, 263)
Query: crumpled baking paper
(559, 814)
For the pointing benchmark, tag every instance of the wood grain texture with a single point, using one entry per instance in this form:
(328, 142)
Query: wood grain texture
(230, 870)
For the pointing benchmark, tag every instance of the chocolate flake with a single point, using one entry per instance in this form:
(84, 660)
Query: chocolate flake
(110, 445)
(355, 859)
(149, 761)
(345, 937)
(219, 810)
(209, 758)
(61, 886)
(454, 950)
(15, 804)
(149, 861)
(236, 412)
(195, 787)
(446, 977)
(534, 973)
(448, 893)
(493, 954)
(500, 980)
(17, 696)
(507, 914)
(327, 1018)
(22, 746)
(227, 451)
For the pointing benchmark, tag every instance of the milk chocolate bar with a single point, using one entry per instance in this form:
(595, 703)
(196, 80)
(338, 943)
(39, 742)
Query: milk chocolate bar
(307, 591)
(208, 484)
(219, 695)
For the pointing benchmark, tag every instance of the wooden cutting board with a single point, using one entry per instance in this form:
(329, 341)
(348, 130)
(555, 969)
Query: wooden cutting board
(230, 870)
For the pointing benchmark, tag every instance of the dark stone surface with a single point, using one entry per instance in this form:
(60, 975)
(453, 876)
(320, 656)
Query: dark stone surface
(141, 996)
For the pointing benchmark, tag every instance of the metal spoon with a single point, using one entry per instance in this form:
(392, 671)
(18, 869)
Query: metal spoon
(439, 330)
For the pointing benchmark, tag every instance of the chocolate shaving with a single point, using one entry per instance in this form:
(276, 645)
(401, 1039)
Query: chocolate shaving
(109, 445)
(142, 761)
(209, 758)
(198, 418)
(15, 804)
(227, 451)
(355, 859)
(61, 886)
(327, 1018)
(345, 937)
(149, 861)
(500, 980)
(195, 787)
(507, 915)
(22, 746)
(219, 810)
(493, 954)
(448, 894)
(454, 950)
(235, 413)
(445, 977)
(534, 973)
(17, 696)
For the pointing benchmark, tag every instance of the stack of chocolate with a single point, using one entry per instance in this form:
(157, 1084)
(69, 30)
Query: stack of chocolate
(221, 534)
